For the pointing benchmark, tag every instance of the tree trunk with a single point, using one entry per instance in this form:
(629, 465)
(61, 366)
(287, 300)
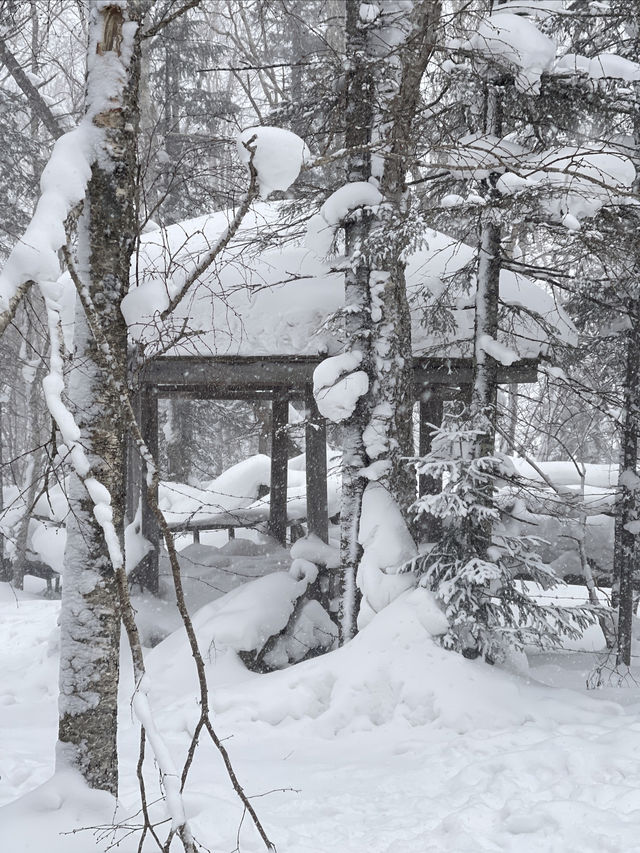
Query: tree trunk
(387, 58)
(628, 504)
(90, 618)
(359, 119)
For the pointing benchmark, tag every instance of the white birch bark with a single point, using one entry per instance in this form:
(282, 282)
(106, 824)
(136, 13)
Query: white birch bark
(388, 47)
(90, 620)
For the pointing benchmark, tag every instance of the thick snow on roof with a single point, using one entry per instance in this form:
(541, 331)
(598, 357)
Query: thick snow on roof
(269, 294)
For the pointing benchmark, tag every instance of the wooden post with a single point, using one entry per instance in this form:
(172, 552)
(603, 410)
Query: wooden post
(4, 566)
(279, 470)
(431, 412)
(134, 466)
(147, 571)
(316, 468)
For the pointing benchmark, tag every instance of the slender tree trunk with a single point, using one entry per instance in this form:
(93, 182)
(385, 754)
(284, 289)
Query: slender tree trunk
(359, 119)
(90, 619)
(387, 58)
(628, 505)
(484, 387)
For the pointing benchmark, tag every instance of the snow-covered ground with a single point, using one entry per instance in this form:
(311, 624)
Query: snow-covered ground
(389, 745)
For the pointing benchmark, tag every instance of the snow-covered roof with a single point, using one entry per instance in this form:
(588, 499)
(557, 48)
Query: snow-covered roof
(269, 294)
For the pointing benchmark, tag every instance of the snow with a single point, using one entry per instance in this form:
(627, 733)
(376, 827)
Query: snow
(573, 183)
(230, 499)
(477, 155)
(498, 351)
(62, 187)
(279, 156)
(281, 299)
(322, 226)
(351, 744)
(514, 43)
(244, 619)
(316, 551)
(386, 546)
(601, 66)
(235, 488)
(582, 180)
(338, 385)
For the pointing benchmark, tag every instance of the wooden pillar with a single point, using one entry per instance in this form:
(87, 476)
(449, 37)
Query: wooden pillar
(431, 412)
(4, 566)
(316, 469)
(279, 470)
(134, 466)
(147, 571)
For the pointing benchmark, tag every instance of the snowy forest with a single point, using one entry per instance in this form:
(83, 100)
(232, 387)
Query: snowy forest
(319, 426)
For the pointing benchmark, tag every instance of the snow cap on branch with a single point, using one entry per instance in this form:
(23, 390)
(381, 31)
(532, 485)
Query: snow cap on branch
(322, 226)
(515, 44)
(279, 156)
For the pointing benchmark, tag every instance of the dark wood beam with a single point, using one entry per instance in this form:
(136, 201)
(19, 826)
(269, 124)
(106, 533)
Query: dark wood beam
(316, 469)
(279, 471)
(218, 376)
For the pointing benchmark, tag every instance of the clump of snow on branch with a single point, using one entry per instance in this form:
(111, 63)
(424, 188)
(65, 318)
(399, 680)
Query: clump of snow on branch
(603, 66)
(514, 43)
(582, 180)
(477, 155)
(279, 156)
(53, 386)
(497, 350)
(338, 385)
(573, 183)
(62, 187)
(313, 549)
(322, 226)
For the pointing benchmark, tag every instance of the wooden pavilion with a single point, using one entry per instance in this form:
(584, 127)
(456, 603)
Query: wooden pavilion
(281, 380)
(264, 317)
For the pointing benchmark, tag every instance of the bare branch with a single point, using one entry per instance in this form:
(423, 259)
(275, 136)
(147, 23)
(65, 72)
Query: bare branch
(36, 101)
(224, 239)
(6, 318)
(164, 22)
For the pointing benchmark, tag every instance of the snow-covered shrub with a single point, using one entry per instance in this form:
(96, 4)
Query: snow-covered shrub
(475, 568)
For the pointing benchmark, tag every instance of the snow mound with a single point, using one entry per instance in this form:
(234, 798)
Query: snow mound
(240, 621)
(393, 672)
(50, 816)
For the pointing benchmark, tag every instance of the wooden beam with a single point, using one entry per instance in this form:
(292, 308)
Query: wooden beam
(279, 471)
(316, 469)
(210, 376)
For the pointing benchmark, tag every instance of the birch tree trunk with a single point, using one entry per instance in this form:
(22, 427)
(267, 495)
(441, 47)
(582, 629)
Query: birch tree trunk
(388, 47)
(359, 120)
(90, 618)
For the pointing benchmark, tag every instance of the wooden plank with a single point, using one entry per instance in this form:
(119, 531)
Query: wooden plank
(147, 571)
(316, 469)
(279, 471)
(221, 371)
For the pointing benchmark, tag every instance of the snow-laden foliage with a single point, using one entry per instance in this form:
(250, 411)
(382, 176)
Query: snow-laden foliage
(477, 566)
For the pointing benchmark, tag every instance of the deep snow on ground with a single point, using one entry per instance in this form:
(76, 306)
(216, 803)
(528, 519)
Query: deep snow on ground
(389, 745)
